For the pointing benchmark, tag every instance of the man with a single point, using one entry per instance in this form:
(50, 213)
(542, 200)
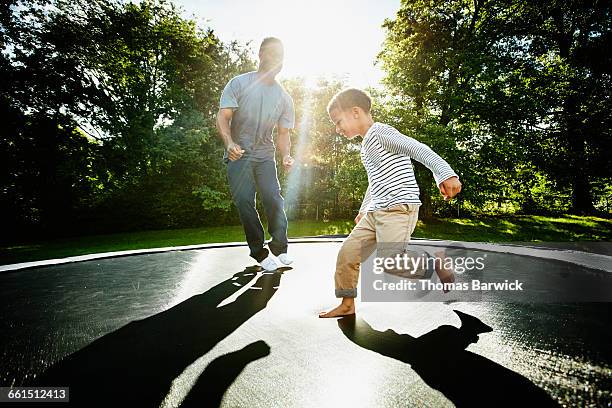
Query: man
(252, 104)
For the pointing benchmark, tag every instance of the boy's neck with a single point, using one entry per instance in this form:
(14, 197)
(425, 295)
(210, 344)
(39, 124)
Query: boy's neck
(367, 124)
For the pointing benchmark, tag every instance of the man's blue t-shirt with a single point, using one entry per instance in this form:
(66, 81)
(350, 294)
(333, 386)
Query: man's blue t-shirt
(258, 107)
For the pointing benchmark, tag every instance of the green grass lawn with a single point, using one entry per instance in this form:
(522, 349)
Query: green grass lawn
(532, 228)
(490, 229)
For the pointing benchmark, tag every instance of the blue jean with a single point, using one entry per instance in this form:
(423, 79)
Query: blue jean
(245, 178)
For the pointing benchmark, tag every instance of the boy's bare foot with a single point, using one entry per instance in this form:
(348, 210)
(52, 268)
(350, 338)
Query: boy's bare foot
(341, 310)
(446, 275)
(346, 307)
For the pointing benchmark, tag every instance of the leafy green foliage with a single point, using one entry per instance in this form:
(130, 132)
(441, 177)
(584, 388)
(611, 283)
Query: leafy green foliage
(509, 87)
(111, 109)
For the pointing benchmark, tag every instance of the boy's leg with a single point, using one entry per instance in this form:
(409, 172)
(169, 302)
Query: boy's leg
(242, 185)
(274, 205)
(360, 243)
(446, 275)
(394, 227)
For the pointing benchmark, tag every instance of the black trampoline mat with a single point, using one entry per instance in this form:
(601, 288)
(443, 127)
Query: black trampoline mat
(146, 330)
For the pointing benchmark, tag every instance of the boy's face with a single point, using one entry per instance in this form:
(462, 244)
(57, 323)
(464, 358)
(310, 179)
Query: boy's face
(348, 122)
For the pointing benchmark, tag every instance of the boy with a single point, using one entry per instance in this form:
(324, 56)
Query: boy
(390, 207)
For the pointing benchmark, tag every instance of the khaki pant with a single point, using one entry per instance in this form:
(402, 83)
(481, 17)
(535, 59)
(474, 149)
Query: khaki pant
(393, 226)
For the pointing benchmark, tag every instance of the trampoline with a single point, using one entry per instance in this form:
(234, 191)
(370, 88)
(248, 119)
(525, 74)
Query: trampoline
(205, 327)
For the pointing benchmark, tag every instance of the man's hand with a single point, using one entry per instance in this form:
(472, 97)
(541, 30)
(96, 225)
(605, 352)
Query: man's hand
(288, 162)
(359, 217)
(234, 151)
(450, 187)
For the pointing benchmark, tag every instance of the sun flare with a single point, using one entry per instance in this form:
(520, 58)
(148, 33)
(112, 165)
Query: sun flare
(323, 38)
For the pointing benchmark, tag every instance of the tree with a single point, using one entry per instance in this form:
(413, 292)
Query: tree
(569, 42)
(111, 109)
(504, 84)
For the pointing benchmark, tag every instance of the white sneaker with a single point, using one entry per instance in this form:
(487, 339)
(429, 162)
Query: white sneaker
(285, 259)
(270, 263)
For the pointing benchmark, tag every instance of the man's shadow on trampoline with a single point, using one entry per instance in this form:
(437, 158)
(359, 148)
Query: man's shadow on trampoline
(440, 358)
(136, 364)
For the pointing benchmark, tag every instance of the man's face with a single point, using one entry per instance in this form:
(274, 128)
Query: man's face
(271, 58)
(346, 121)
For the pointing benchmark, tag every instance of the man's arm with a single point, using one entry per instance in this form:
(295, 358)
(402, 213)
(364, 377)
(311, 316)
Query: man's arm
(224, 119)
(285, 122)
(284, 146)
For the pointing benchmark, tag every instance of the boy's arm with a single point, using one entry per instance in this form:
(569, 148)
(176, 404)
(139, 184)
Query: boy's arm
(364, 205)
(395, 142)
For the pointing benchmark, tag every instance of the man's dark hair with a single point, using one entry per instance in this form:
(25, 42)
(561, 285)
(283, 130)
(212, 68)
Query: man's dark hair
(269, 41)
(349, 98)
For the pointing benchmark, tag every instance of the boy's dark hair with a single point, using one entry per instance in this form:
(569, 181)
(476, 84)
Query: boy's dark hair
(269, 41)
(348, 98)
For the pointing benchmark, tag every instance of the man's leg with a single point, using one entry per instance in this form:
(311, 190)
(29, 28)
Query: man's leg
(274, 205)
(242, 185)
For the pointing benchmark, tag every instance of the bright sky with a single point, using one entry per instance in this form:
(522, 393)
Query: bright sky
(321, 37)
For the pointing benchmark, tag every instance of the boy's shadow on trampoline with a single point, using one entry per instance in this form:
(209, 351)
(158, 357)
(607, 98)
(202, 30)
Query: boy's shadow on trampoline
(440, 359)
(136, 364)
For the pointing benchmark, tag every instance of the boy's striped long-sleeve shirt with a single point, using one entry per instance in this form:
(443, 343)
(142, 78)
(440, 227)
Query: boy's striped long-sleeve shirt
(386, 154)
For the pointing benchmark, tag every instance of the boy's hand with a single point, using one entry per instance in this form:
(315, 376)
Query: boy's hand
(288, 162)
(358, 217)
(234, 151)
(450, 187)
